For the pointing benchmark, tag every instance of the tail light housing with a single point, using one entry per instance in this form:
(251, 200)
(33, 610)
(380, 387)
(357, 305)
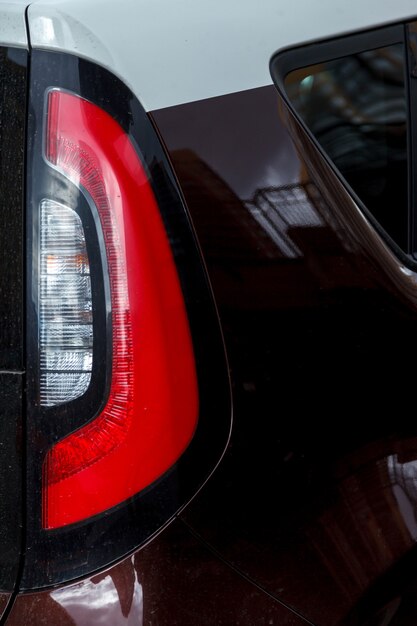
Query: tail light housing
(128, 397)
(151, 409)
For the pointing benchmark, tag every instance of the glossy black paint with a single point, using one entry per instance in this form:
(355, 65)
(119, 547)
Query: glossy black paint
(198, 587)
(80, 549)
(312, 500)
(174, 580)
(4, 602)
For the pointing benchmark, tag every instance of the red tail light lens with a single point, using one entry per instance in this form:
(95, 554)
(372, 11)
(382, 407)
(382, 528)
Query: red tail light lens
(151, 410)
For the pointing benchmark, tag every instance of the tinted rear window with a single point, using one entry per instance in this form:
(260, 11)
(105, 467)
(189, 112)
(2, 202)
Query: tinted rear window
(355, 106)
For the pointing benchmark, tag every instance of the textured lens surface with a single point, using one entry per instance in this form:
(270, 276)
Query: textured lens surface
(65, 306)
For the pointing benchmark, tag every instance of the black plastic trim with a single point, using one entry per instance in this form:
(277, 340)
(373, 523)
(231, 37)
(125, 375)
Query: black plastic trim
(289, 59)
(411, 37)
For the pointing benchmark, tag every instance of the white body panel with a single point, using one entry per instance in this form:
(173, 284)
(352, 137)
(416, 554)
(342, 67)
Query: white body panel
(12, 23)
(174, 51)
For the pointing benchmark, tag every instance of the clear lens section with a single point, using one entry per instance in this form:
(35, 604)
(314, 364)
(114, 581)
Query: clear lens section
(63, 335)
(53, 263)
(67, 288)
(64, 387)
(61, 228)
(65, 306)
(67, 360)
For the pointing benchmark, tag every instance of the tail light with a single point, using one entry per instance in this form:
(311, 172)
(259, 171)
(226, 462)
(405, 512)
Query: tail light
(128, 393)
(151, 409)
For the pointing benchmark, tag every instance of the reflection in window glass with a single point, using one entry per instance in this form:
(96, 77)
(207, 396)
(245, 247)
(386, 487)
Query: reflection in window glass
(356, 108)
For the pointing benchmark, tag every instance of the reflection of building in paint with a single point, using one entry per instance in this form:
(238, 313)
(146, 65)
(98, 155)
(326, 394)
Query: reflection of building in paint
(280, 209)
(262, 226)
(364, 531)
(275, 246)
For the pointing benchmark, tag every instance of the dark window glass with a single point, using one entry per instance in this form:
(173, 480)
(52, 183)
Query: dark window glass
(356, 108)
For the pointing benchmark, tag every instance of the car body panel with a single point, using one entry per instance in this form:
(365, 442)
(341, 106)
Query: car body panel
(173, 580)
(312, 500)
(4, 601)
(12, 23)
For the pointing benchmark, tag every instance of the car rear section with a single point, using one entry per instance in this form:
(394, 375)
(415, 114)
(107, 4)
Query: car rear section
(204, 215)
